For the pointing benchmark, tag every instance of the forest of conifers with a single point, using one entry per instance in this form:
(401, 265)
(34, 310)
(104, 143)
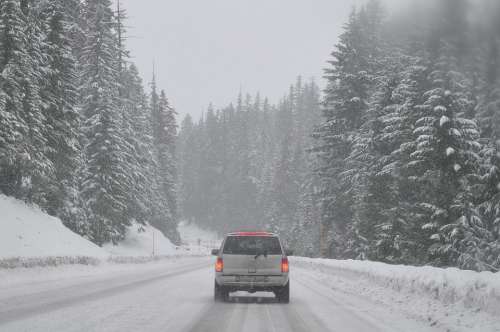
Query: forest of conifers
(79, 136)
(396, 159)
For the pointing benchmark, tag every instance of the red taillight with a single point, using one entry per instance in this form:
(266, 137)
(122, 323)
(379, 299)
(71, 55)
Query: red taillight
(251, 234)
(284, 265)
(219, 265)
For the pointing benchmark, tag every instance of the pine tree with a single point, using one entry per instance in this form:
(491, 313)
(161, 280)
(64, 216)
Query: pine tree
(167, 158)
(285, 184)
(375, 189)
(398, 235)
(305, 229)
(137, 126)
(164, 140)
(132, 106)
(346, 98)
(484, 250)
(74, 12)
(445, 157)
(12, 50)
(26, 167)
(103, 187)
(39, 168)
(370, 190)
(62, 127)
(187, 168)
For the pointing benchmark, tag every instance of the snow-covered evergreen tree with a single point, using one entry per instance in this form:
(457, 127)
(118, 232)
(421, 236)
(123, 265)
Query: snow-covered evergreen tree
(483, 253)
(27, 167)
(370, 190)
(104, 187)
(13, 53)
(446, 157)
(482, 250)
(187, 156)
(345, 103)
(137, 126)
(398, 236)
(62, 127)
(40, 168)
(164, 130)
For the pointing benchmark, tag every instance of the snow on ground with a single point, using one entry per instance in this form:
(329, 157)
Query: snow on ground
(177, 295)
(196, 239)
(53, 277)
(142, 241)
(30, 237)
(28, 232)
(450, 299)
(440, 299)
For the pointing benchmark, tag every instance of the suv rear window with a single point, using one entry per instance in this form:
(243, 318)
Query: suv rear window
(252, 245)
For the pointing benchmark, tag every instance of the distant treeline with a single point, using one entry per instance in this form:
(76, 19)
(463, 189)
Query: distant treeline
(247, 166)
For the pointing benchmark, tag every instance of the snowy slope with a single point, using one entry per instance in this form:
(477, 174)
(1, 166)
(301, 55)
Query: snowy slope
(28, 232)
(142, 241)
(196, 239)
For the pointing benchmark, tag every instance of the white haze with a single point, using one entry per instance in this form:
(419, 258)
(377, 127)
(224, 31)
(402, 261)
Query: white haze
(206, 50)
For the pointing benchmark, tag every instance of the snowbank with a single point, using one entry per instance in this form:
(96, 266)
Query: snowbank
(29, 233)
(142, 241)
(476, 291)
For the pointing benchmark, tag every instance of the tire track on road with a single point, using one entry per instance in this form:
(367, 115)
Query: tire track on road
(30, 305)
(217, 317)
(345, 307)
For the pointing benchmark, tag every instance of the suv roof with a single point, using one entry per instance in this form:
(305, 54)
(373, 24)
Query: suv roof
(251, 234)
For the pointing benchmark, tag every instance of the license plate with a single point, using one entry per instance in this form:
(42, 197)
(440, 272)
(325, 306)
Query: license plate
(251, 279)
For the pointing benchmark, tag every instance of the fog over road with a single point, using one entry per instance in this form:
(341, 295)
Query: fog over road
(179, 297)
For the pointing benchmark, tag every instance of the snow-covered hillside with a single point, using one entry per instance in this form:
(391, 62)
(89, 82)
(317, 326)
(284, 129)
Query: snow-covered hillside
(197, 239)
(28, 232)
(142, 241)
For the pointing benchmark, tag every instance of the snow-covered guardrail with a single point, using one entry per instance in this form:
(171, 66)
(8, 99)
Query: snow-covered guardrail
(29, 262)
(473, 290)
(53, 261)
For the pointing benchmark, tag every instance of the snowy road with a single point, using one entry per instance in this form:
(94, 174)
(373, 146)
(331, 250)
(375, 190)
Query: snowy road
(178, 297)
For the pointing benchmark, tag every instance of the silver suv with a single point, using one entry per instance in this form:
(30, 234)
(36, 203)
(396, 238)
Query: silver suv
(252, 262)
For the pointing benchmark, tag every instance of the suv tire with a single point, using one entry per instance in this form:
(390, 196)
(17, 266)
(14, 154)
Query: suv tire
(283, 293)
(220, 293)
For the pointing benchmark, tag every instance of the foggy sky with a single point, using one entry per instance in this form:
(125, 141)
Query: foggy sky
(206, 49)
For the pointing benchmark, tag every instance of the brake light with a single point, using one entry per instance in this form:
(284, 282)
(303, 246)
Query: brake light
(251, 234)
(219, 265)
(284, 265)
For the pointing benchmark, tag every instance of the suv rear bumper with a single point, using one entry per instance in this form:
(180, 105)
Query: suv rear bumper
(251, 282)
